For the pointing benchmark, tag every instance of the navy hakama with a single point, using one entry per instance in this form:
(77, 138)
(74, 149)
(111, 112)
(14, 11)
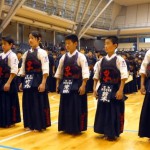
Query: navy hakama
(144, 125)
(51, 80)
(132, 86)
(73, 113)
(91, 63)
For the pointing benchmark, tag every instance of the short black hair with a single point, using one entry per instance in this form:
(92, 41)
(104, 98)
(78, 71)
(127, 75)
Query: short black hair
(62, 49)
(114, 39)
(124, 54)
(131, 58)
(102, 52)
(8, 39)
(90, 51)
(36, 34)
(82, 48)
(72, 37)
(19, 51)
(48, 48)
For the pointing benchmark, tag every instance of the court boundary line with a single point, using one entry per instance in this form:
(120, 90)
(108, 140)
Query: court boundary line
(20, 134)
(8, 147)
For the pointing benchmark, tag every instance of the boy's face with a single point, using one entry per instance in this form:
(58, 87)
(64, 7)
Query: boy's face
(54, 56)
(70, 46)
(47, 52)
(19, 55)
(90, 54)
(62, 52)
(109, 46)
(124, 57)
(139, 61)
(100, 56)
(136, 59)
(82, 51)
(6, 46)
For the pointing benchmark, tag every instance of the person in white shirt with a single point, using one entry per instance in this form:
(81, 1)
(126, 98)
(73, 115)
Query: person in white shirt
(35, 70)
(9, 103)
(144, 130)
(112, 72)
(72, 75)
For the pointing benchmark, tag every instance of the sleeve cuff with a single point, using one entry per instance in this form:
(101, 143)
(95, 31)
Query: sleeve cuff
(58, 76)
(124, 77)
(14, 72)
(45, 72)
(142, 72)
(86, 76)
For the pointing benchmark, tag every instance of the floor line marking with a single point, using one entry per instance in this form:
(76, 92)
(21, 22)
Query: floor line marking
(12, 148)
(20, 134)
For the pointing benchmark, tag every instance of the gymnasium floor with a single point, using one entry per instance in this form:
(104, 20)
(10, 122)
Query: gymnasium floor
(16, 138)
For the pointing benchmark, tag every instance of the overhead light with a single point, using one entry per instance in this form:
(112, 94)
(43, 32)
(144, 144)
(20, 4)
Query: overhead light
(4, 14)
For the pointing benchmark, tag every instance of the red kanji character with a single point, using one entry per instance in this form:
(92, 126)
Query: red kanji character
(106, 76)
(67, 71)
(29, 65)
(1, 73)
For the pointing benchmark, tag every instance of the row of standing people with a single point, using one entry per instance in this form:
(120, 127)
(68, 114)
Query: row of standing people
(72, 75)
(133, 65)
(34, 72)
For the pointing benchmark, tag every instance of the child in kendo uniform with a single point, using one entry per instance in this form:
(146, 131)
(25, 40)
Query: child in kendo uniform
(35, 70)
(112, 72)
(72, 75)
(144, 125)
(9, 102)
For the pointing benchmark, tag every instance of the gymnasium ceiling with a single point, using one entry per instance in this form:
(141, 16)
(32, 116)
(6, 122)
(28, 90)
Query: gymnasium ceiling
(67, 16)
(131, 2)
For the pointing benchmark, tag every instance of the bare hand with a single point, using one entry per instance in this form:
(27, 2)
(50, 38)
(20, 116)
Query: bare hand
(82, 90)
(20, 87)
(119, 95)
(53, 73)
(41, 87)
(6, 87)
(57, 90)
(95, 93)
(142, 90)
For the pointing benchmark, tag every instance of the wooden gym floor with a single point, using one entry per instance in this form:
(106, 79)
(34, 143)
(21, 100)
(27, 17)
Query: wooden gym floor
(16, 138)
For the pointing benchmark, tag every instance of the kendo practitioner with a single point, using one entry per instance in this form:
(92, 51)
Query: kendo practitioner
(112, 72)
(72, 75)
(35, 69)
(144, 124)
(9, 101)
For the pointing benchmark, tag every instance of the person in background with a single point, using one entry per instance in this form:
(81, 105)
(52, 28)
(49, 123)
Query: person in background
(51, 80)
(19, 54)
(82, 50)
(91, 62)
